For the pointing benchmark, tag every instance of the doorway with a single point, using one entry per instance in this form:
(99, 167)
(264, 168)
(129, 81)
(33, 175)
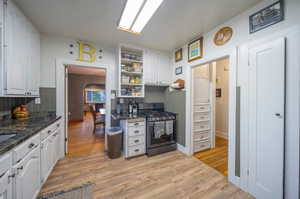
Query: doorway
(86, 108)
(211, 113)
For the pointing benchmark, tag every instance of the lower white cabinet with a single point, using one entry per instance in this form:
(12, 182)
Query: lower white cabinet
(50, 154)
(134, 141)
(6, 177)
(27, 176)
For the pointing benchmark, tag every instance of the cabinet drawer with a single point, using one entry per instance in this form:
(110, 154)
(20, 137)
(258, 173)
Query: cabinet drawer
(20, 152)
(132, 141)
(50, 129)
(201, 145)
(202, 126)
(201, 116)
(136, 130)
(137, 122)
(5, 163)
(202, 135)
(201, 108)
(136, 150)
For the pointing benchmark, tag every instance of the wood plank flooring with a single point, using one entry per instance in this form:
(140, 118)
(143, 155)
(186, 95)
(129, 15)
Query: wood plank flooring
(82, 140)
(170, 175)
(216, 158)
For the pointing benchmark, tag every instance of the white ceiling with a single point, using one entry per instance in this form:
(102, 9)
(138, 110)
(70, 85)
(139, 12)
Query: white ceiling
(175, 22)
(86, 71)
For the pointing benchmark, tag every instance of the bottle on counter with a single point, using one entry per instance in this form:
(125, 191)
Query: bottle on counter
(130, 107)
(135, 108)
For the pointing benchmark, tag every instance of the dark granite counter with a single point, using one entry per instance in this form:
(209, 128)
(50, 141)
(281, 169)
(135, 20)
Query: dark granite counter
(23, 129)
(126, 116)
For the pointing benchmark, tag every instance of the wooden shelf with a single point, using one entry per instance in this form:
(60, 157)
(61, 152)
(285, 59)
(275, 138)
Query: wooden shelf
(132, 73)
(131, 61)
(132, 84)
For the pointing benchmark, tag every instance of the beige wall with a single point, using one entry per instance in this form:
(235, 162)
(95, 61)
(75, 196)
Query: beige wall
(222, 67)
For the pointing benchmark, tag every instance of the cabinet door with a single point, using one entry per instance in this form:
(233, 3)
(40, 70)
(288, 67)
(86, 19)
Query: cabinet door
(33, 71)
(45, 166)
(15, 46)
(6, 185)
(164, 69)
(28, 176)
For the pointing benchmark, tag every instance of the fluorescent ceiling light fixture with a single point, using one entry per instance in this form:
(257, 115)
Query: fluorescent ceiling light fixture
(129, 13)
(145, 15)
(137, 13)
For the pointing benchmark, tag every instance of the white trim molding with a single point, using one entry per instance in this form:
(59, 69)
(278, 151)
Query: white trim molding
(61, 90)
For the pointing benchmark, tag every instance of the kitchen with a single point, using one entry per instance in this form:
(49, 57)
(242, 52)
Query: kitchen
(56, 34)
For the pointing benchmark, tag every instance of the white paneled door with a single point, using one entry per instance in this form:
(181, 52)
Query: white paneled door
(266, 119)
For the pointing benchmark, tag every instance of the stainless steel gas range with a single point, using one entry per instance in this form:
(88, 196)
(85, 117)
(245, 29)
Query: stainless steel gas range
(160, 129)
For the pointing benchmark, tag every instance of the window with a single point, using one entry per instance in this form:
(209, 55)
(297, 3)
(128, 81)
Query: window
(94, 96)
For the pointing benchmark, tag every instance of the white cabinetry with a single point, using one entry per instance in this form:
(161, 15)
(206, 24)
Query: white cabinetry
(20, 74)
(134, 137)
(131, 71)
(26, 167)
(27, 183)
(158, 68)
(50, 151)
(6, 177)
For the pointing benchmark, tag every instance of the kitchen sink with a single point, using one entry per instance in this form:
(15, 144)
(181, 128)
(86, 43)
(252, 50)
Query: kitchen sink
(6, 136)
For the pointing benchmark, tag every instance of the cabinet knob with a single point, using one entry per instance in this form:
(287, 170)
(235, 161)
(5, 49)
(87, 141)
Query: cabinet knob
(136, 132)
(136, 141)
(31, 145)
(10, 177)
(136, 150)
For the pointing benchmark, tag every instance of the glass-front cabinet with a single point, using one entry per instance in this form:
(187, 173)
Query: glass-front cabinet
(131, 75)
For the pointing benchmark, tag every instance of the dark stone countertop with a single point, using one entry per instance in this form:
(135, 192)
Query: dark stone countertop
(24, 129)
(126, 116)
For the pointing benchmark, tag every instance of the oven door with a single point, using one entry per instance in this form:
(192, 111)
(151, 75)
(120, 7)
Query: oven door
(160, 133)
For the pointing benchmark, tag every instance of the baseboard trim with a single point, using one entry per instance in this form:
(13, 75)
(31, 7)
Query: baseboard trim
(222, 134)
(182, 149)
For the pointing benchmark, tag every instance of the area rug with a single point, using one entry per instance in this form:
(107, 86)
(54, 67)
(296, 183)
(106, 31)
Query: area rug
(84, 191)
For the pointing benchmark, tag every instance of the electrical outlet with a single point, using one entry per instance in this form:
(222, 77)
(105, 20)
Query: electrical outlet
(37, 100)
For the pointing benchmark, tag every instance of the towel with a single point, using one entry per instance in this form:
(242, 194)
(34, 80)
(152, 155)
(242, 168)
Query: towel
(159, 129)
(169, 127)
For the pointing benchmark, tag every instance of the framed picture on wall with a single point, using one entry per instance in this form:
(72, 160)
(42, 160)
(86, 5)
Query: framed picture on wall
(178, 55)
(268, 16)
(178, 70)
(195, 49)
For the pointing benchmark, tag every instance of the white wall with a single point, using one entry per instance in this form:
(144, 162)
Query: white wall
(241, 35)
(222, 82)
(54, 47)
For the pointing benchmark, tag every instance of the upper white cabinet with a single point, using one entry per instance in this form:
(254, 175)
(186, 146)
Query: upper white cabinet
(157, 68)
(21, 53)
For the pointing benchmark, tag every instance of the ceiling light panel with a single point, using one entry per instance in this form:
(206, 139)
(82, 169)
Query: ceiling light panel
(145, 15)
(130, 11)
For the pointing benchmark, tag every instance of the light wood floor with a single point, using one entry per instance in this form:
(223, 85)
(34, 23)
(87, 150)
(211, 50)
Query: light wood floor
(216, 158)
(82, 140)
(171, 175)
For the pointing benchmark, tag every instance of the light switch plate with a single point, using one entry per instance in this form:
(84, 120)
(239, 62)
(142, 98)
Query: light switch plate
(37, 100)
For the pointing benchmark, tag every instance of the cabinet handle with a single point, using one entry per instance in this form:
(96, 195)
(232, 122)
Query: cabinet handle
(20, 168)
(31, 145)
(136, 132)
(136, 124)
(57, 125)
(136, 150)
(136, 141)
(11, 176)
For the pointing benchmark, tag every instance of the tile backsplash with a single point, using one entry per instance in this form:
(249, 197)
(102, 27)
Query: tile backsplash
(47, 97)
